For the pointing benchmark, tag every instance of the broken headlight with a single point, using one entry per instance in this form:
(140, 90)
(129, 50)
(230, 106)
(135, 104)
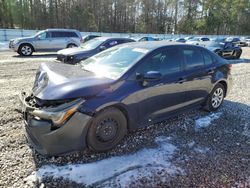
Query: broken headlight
(58, 115)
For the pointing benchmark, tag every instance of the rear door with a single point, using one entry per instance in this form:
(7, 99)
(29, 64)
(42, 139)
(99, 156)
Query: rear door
(59, 39)
(199, 69)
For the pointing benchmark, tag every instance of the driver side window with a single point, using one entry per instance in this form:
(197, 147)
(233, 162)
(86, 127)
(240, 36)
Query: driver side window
(166, 61)
(43, 36)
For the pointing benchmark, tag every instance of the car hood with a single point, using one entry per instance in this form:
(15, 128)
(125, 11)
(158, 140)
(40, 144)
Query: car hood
(55, 81)
(73, 51)
(22, 38)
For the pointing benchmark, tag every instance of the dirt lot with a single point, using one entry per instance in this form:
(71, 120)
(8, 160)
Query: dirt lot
(214, 156)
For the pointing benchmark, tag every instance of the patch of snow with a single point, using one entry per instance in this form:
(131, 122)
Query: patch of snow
(121, 170)
(191, 144)
(206, 121)
(202, 150)
(4, 46)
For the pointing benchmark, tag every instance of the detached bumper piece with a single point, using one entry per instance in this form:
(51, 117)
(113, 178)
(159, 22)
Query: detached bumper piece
(48, 141)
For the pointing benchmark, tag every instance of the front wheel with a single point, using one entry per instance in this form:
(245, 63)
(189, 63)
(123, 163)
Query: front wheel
(106, 130)
(215, 98)
(25, 50)
(238, 54)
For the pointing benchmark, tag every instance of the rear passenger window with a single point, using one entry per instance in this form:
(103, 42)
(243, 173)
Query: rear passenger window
(71, 34)
(207, 58)
(110, 43)
(56, 34)
(193, 58)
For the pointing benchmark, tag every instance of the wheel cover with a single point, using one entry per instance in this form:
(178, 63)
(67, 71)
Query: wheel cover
(106, 129)
(217, 97)
(26, 50)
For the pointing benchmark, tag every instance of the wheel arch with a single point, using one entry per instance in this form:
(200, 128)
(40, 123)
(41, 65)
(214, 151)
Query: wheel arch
(224, 83)
(71, 43)
(121, 107)
(26, 43)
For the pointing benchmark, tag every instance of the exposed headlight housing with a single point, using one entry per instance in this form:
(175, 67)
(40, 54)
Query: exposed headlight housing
(60, 114)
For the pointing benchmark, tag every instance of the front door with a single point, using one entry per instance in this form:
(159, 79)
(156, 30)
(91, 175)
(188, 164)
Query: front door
(43, 41)
(158, 98)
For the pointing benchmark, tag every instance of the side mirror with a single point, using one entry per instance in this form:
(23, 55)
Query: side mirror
(152, 76)
(102, 48)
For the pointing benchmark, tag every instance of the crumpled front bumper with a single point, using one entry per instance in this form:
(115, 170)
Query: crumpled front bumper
(69, 137)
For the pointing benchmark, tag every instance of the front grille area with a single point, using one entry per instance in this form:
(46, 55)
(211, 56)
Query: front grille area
(61, 57)
(32, 101)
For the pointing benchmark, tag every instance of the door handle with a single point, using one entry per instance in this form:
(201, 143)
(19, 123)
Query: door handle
(181, 80)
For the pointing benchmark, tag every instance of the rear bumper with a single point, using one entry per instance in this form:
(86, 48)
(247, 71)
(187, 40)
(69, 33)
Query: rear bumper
(69, 137)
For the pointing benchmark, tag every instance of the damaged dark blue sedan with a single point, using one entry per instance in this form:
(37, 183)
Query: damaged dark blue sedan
(118, 90)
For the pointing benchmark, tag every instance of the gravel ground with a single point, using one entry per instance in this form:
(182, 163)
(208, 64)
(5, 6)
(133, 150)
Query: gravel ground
(215, 156)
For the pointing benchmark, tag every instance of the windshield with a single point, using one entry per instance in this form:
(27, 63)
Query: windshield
(92, 44)
(114, 62)
(38, 33)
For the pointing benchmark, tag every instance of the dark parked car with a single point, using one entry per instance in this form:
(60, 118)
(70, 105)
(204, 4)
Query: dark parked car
(89, 37)
(88, 49)
(226, 50)
(118, 90)
(180, 40)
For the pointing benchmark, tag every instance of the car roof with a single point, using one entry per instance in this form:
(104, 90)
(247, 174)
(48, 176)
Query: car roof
(54, 29)
(152, 45)
(115, 38)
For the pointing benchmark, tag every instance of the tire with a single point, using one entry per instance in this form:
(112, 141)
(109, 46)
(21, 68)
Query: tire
(238, 54)
(106, 130)
(71, 46)
(215, 98)
(25, 50)
(218, 52)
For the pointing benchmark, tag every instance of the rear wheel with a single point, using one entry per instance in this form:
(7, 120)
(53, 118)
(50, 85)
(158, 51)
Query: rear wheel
(215, 98)
(71, 46)
(218, 52)
(25, 50)
(106, 130)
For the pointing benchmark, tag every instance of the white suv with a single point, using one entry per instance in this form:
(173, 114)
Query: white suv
(46, 40)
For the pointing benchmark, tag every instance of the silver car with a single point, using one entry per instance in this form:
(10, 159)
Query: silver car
(46, 40)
